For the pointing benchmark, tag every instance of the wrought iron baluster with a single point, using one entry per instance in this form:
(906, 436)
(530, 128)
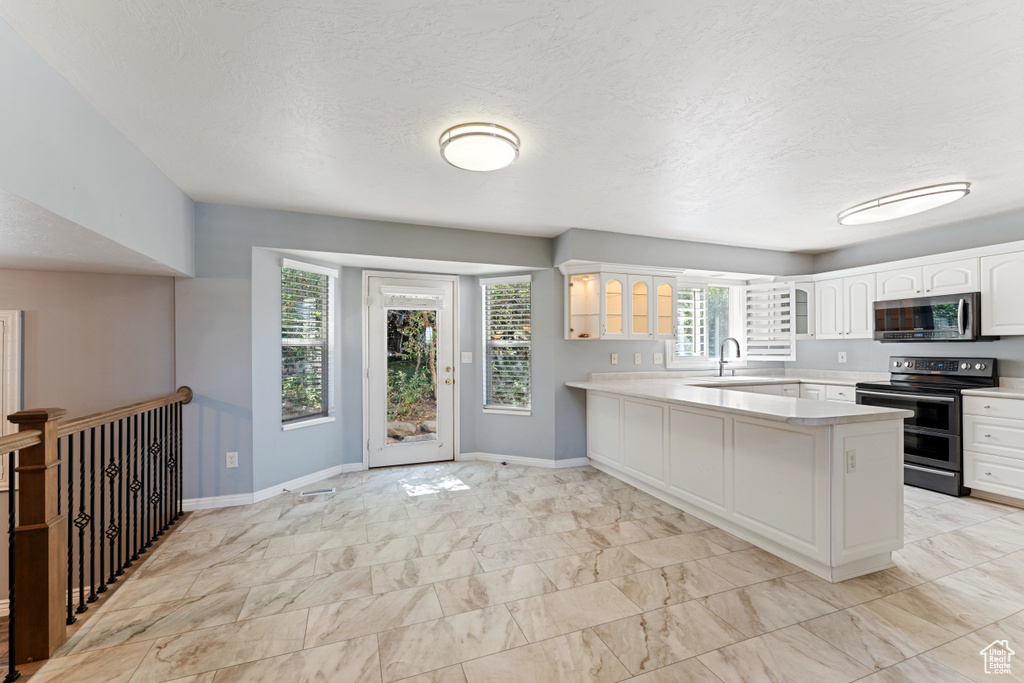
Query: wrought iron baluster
(71, 534)
(147, 476)
(135, 487)
(12, 672)
(112, 531)
(165, 471)
(81, 521)
(92, 515)
(98, 531)
(121, 519)
(178, 442)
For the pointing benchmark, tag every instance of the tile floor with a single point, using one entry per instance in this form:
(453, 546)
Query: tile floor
(474, 572)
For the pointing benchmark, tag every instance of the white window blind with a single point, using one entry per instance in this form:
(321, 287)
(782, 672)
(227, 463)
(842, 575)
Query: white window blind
(507, 337)
(305, 343)
(692, 322)
(769, 324)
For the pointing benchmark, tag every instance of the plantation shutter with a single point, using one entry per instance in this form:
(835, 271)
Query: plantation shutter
(507, 337)
(305, 340)
(770, 329)
(692, 322)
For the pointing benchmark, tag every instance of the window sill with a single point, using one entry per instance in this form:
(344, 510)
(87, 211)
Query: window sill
(306, 423)
(507, 411)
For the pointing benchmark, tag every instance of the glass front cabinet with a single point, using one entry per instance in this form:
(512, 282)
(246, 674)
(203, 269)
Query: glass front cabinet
(620, 305)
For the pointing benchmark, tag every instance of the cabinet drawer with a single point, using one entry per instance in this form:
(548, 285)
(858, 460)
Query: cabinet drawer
(994, 435)
(792, 390)
(994, 407)
(840, 393)
(994, 474)
(813, 391)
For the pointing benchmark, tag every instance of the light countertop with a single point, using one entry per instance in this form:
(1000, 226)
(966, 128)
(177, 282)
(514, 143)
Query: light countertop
(703, 392)
(996, 392)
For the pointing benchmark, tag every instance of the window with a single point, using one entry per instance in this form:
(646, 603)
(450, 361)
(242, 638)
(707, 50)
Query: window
(306, 298)
(705, 316)
(507, 344)
(770, 326)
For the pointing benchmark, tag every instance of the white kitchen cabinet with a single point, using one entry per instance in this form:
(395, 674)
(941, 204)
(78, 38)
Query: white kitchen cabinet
(845, 307)
(951, 277)
(994, 445)
(791, 390)
(1002, 306)
(664, 314)
(803, 310)
(614, 306)
(813, 391)
(640, 306)
(604, 432)
(584, 306)
(901, 283)
(845, 394)
(605, 304)
(644, 439)
(699, 443)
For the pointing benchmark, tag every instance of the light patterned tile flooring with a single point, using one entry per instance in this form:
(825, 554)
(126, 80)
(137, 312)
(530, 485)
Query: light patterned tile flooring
(477, 572)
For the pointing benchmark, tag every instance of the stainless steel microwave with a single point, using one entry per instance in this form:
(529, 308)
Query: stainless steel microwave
(954, 317)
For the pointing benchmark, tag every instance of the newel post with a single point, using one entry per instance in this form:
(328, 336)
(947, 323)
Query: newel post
(41, 541)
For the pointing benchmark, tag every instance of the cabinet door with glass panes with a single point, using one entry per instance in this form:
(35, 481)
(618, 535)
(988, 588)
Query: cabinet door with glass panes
(664, 315)
(615, 306)
(803, 312)
(585, 306)
(640, 305)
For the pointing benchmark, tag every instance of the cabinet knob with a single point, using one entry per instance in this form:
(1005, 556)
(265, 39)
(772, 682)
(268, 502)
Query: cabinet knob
(988, 436)
(988, 474)
(987, 407)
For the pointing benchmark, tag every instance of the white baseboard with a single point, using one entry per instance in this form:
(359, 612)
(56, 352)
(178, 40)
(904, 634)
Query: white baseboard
(191, 504)
(523, 460)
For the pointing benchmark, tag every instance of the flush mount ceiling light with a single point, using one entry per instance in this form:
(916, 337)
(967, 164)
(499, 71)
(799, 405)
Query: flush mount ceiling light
(904, 203)
(479, 146)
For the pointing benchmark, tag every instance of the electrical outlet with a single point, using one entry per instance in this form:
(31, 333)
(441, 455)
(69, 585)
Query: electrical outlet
(615, 359)
(233, 459)
(467, 356)
(638, 358)
(659, 358)
(851, 461)
(842, 356)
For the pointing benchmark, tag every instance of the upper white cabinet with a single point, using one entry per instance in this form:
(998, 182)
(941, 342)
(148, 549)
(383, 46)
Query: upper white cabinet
(1002, 306)
(951, 277)
(844, 307)
(620, 305)
(803, 312)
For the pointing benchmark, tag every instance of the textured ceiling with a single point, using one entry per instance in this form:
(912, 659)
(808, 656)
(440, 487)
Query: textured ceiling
(742, 122)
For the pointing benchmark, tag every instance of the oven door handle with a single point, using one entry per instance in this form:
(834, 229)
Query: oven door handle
(960, 317)
(928, 470)
(912, 397)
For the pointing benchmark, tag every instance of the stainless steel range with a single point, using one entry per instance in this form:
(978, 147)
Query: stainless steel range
(932, 439)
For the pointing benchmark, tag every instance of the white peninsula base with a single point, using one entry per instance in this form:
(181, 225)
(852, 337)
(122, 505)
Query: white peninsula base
(825, 497)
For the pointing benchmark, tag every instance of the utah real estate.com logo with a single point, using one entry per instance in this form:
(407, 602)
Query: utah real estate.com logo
(997, 657)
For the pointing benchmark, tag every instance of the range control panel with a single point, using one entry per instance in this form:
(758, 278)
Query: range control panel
(961, 367)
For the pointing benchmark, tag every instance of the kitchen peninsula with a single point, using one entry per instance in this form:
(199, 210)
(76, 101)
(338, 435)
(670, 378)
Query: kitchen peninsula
(817, 483)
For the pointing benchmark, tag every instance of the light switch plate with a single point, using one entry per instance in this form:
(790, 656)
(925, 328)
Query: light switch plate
(615, 359)
(842, 356)
(659, 358)
(638, 358)
(467, 356)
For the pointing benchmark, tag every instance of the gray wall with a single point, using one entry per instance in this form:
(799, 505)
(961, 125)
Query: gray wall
(869, 355)
(60, 153)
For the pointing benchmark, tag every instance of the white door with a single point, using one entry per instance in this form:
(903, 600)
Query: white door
(411, 373)
(860, 306)
(828, 320)
(899, 284)
(953, 277)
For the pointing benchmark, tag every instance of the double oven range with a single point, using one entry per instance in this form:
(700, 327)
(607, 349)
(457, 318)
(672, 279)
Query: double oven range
(930, 387)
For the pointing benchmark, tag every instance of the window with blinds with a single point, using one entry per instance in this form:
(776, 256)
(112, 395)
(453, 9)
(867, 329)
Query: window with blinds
(692, 322)
(507, 343)
(305, 343)
(769, 325)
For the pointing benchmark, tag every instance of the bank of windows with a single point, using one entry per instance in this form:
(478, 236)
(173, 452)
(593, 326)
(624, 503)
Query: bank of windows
(307, 355)
(507, 332)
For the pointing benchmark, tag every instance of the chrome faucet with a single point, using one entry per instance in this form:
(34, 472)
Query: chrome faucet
(721, 353)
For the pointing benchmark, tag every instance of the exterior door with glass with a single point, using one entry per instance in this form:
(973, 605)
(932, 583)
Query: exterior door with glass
(411, 370)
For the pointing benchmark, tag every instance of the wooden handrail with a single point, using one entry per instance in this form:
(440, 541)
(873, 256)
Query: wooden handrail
(182, 395)
(15, 442)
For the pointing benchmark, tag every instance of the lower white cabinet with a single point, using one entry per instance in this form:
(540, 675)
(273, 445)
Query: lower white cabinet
(813, 391)
(834, 392)
(994, 445)
(644, 433)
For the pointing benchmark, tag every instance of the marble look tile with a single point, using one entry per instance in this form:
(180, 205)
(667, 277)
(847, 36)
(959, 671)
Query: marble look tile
(436, 644)
(114, 665)
(916, 669)
(878, 634)
(372, 614)
(340, 559)
(790, 655)
(343, 518)
(344, 502)
(669, 585)
(449, 674)
(661, 552)
(968, 511)
(954, 605)
(526, 551)
(352, 661)
(386, 531)
(749, 566)
(168, 562)
(255, 573)
(318, 540)
(579, 657)
(623, 495)
(304, 508)
(424, 508)
(918, 524)
(380, 500)
(1005, 532)
(724, 539)
(222, 646)
(659, 507)
(490, 515)
(1004, 576)
(850, 592)
(964, 548)
(591, 567)
(920, 498)
(491, 588)
(506, 497)
(553, 614)
(462, 539)
(230, 516)
(162, 619)
(766, 606)
(140, 590)
(550, 506)
(531, 482)
(530, 527)
(963, 656)
(689, 670)
(671, 525)
(610, 514)
(311, 591)
(183, 539)
(424, 570)
(197, 678)
(251, 533)
(607, 536)
(664, 636)
(917, 563)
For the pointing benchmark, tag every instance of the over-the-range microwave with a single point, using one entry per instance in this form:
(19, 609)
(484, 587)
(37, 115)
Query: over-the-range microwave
(954, 317)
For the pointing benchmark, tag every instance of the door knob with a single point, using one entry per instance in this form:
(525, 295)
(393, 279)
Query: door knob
(448, 368)
(449, 381)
